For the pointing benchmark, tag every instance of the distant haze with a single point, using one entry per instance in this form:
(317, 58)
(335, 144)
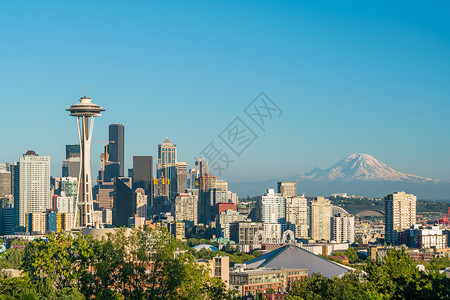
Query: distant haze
(358, 174)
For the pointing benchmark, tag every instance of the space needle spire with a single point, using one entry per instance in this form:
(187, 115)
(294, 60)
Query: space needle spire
(85, 112)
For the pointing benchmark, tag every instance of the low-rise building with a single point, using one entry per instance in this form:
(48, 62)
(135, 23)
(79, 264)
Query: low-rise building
(427, 237)
(251, 281)
(219, 267)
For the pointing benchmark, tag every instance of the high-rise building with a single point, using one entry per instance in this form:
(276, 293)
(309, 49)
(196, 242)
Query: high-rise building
(5, 183)
(172, 175)
(167, 154)
(185, 209)
(141, 203)
(85, 112)
(244, 232)
(7, 216)
(33, 186)
(105, 195)
(272, 208)
(297, 215)
(64, 204)
(143, 174)
(224, 219)
(343, 228)
(124, 202)
(116, 147)
(400, 214)
(69, 186)
(71, 165)
(287, 189)
(320, 219)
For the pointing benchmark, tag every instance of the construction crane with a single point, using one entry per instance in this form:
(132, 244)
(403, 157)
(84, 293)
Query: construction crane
(445, 219)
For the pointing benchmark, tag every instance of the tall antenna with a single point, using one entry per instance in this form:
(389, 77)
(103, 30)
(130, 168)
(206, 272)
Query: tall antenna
(85, 90)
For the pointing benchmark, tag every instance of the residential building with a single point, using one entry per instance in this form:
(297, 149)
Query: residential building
(343, 228)
(287, 189)
(33, 186)
(244, 232)
(64, 204)
(400, 214)
(141, 203)
(272, 208)
(297, 215)
(320, 219)
(424, 237)
(224, 219)
(5, 183)
(185, 209)
(218, 267)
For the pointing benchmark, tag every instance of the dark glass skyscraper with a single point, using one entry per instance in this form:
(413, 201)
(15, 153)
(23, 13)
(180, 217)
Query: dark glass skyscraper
(143, 174)
(116, 146)
(124, 204)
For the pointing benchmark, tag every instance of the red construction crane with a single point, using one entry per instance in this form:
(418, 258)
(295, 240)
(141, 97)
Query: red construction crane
(445, 219)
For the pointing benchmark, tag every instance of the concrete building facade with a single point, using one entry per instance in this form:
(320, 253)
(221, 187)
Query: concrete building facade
(400, 214)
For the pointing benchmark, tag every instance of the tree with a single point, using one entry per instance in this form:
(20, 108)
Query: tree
(136, 264)
(352, 255)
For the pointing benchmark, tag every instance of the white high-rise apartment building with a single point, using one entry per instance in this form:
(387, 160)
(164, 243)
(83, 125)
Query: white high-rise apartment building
(272, 208)
(320, 219)
(400, 214)
(343, 228)
(34, 185)
(297, 215)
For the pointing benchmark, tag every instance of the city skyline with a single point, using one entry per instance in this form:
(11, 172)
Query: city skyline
(348, 79)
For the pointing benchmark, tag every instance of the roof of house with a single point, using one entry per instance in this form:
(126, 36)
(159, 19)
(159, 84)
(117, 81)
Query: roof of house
(291, 256)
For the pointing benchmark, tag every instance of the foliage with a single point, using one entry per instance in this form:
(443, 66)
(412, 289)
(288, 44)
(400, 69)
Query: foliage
(136, 264)
(352, 255)
(11, 258)
(236, 257)
(359, 204)
(394, 277)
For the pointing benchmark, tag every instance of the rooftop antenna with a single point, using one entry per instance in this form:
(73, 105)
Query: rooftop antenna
(85, 90)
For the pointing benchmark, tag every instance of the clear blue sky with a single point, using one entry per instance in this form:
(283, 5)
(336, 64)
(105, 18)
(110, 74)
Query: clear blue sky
(360, 76)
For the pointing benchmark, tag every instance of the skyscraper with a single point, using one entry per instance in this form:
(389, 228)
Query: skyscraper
(71, 165)
(143, 174)
(272, 208)
(116, 147)
(33, 186)
(287, 189)
(343, 228)
(320, 219)
(5, 183)
(124, 201)
(167, 154)
(297, 215)
(85, 111)
(185, 209)
(400, 214)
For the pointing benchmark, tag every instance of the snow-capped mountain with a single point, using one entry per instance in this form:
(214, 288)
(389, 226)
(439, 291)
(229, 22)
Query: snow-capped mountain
(360, 166)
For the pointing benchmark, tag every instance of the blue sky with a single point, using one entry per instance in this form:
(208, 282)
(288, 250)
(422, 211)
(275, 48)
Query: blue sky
(369, 77)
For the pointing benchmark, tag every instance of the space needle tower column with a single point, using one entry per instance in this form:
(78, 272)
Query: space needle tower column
(85, 112)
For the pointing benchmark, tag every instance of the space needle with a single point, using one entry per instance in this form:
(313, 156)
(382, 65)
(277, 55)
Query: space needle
(85, 112)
